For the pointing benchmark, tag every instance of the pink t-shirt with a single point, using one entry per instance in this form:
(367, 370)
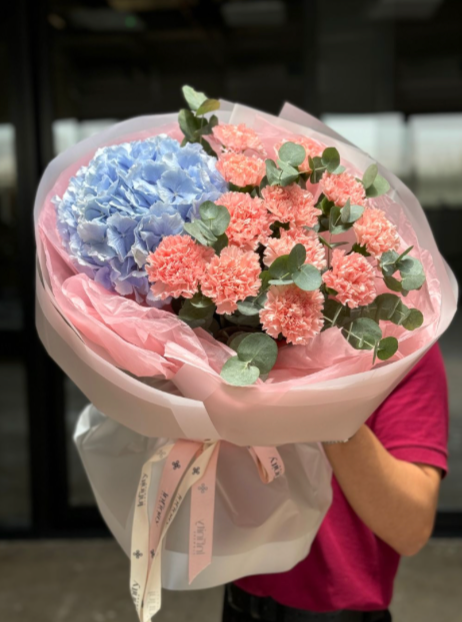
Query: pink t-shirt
(348, 566)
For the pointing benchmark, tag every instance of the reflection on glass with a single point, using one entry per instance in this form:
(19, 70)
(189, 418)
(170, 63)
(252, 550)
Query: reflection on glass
(68, 132)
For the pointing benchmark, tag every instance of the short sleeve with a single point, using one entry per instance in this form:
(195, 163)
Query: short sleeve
(412, 423)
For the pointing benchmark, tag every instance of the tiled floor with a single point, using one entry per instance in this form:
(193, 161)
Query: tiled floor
(87, 581)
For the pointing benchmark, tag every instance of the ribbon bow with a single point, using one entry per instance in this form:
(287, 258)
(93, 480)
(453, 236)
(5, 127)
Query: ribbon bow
(189, 465)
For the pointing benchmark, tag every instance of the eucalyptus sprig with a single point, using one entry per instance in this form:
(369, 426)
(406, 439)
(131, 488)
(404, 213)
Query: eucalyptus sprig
(209, 229)
(192, 122)
(374, 184)
(256, 355)
(411, 271)
(292, 268)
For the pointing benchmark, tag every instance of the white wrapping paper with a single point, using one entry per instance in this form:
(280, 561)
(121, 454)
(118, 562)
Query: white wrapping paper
(259, 528)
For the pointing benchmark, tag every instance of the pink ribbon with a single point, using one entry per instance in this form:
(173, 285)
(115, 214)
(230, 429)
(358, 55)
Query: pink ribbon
(268, 462)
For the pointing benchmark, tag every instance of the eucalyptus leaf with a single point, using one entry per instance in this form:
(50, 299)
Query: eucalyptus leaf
(200, 232)
(362, 250)
(288, 174)
(331, 159)
(370, 175)
(297, 258)
(340, 169)
(351, 214)
(273, 174)
(238, 319)
(335, 314)
(265, 278)
(308, 278)
(236, 339)
(413, 281)
(335, 221)
(330, 245)
(379, 187)
(292, 153)
(280, 269)
(188, 123)
(239, 373)
(252, 305)
(196, 316)
(363, 334)
(216, 217)
(193, 98)
(200, 301)
(413, 320)
(208, 106)
(387, 348)
(387, 307)
(392, 283)
(220, 243)
(258, 349)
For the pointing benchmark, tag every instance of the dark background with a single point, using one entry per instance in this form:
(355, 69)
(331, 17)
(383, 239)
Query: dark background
(385, 73)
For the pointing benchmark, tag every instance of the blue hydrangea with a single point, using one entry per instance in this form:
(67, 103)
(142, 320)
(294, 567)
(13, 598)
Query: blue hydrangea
(117, 209)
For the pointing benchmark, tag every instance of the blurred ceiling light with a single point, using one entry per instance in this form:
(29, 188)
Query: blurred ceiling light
(56, 21)
(254, 13)
(403, 9)
(105, 20)
(148, 5)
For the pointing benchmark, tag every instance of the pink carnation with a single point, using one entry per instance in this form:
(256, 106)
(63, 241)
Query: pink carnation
(230, 277)
(340, 188)
(241, 170)
(291, 204)
(312, 148)
(375, 231)
(315, 253)
(294, 313)
(237, 138)
(352, 277)
(250, 221)
(176, 266)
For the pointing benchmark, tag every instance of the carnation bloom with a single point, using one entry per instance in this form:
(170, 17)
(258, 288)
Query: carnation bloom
(340, 188)
(291, 204)
(176, 267)
(294, 313)
(250, 221)
(352, 277)
(315, 253)
(231, 276)
(312, 148)
(375, 231)
(237, 138)
(241, 170)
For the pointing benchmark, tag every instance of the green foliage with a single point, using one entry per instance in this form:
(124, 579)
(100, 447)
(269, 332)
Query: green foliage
(292, 154)
(351, 213)
(410, 269)
(256, 355)
(210, 229)
(363, 334)
(370, 175)
(379, 186)
(192, 123)
(387, 348)
(196, 316)
(330, 159)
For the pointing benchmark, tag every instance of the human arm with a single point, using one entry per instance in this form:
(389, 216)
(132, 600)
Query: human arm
(396, 499)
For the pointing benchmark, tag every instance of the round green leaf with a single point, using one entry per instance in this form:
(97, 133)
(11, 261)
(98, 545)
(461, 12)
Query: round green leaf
(236, 340)
(379, 187)
(387, 348)
(279, 269)
(297, 257)
(188, 123)
(260, 350)
(413, 320)
(392, 283)
(307, 278)
(331, 159)
(193, 98)
(369, 175)
(292, 153)
(239, 373)
(208, 210)
(351, 214)
(208, 106)
(273, 174)
(220, 243)
(413, 281)
(363, 334)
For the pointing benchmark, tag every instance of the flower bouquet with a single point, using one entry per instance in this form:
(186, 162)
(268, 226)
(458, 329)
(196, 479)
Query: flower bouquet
(248, 286)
